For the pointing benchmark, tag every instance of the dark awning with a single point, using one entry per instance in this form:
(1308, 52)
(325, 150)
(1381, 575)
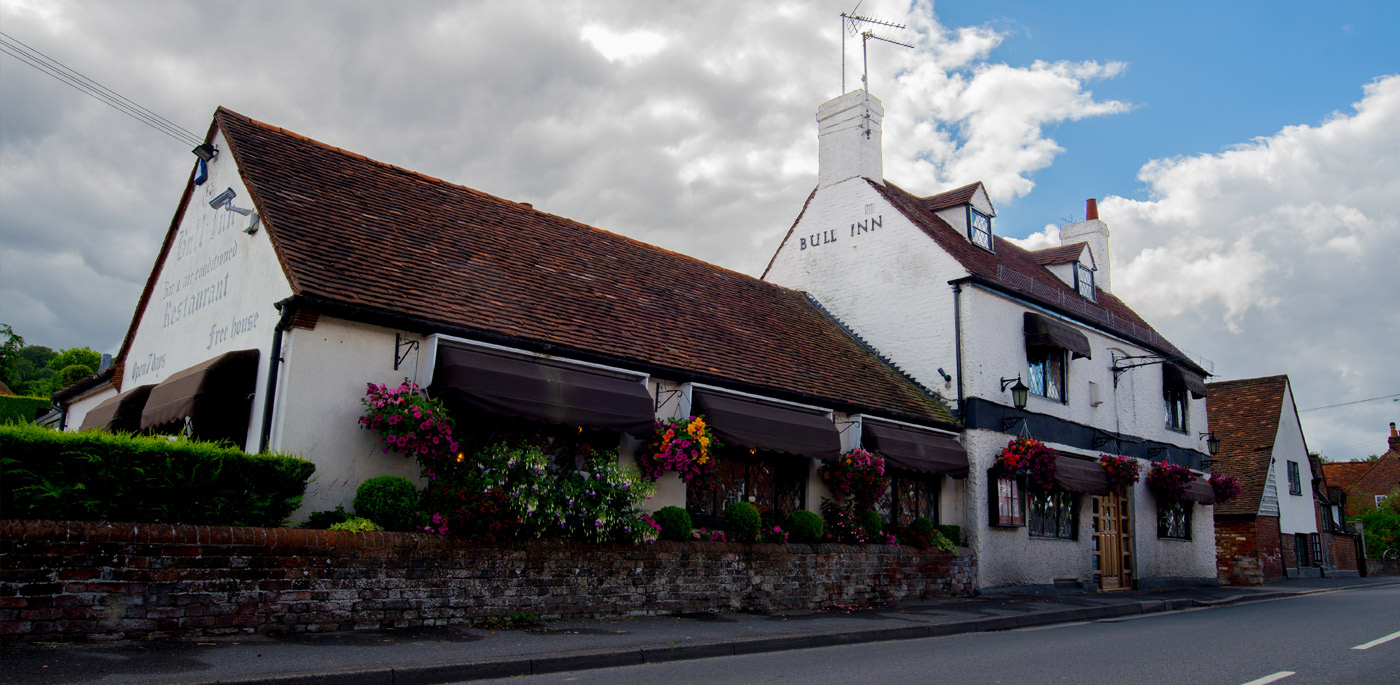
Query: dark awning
(538, 390)
(916, 451)
(749, 423)
(216, 395)
(1175, 377)
(1042, 330)
(119, 413)
(1200, 491)
(1080, 475)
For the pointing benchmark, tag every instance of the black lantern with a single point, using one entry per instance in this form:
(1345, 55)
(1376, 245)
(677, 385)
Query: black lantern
(1019, 392)
(1213, 444)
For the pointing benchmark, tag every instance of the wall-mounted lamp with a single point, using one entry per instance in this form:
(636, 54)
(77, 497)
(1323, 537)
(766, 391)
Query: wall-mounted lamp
(1212, 443)
(206, 152)
(1019, 392)
(224, 200)
(944, 374)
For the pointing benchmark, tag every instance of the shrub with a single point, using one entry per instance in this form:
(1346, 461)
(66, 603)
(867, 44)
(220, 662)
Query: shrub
(805, 526)
(390, 501)
(22, 409)
(953, 533)
(871, 523)
(675, 523)
(841, 524)
(742, 519)
(96, 476)
(322, 520)
(356, 524)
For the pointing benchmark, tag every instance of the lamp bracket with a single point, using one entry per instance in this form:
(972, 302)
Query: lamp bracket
(1101, 440)
(1008, 381)
(664, 396)
(402, 347)
(1156, 452)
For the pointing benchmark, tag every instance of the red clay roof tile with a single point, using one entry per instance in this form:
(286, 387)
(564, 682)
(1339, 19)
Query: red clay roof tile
(1245, 414)
(353, 230)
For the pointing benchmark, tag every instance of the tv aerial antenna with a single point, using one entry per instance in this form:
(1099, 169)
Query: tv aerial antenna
(857, 25)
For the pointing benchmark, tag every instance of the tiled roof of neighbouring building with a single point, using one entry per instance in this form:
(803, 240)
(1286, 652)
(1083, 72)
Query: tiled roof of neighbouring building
(1245, 414)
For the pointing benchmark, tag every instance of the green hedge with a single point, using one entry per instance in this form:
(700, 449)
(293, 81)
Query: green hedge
(21, 409)
(95, 476)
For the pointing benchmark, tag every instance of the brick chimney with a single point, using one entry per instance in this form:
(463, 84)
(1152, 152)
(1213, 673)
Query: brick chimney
(1095, 232)
(1394, 438)
(848, 139)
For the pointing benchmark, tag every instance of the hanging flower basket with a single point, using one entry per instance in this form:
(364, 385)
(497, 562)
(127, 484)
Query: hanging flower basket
(856, 477)
(1225, 487)
(1169, 481)
(1122, 471)
(408, 422)
(1031, 458)
(685, 446)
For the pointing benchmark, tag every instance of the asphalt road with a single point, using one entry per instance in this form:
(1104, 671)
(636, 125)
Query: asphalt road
(1327, 638)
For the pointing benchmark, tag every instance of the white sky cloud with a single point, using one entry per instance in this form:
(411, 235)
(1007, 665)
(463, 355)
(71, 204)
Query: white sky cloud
(1279, 256)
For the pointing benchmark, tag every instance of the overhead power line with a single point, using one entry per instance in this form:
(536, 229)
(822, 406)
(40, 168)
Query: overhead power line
(1343, 404)
(70, 77)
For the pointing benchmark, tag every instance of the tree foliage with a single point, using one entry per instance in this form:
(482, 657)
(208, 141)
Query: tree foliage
(37, 370)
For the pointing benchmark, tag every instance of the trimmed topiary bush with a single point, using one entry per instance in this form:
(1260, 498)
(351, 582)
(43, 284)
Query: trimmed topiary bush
(96, 476)
(873, 526)
(741, 519)
(805, 526)
(675, 523)
(390, 501)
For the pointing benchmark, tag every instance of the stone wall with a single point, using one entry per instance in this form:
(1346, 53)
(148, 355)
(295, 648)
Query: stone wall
(106, 581)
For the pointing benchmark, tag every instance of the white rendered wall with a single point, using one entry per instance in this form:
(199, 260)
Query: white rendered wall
(324, 373)
(214, 294)
(1295, 512)
(80, 406)
(994, 347)
(879, 274)
(1159, 558)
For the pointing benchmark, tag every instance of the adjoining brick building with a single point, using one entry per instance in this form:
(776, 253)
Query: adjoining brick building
(1365, 483)
(1283, 524)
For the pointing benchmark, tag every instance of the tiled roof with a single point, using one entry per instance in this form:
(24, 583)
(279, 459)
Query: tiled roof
(1245, 414)
(1344, 473)
(1016, 268)
(951, 198)
(360, 232)
(1063, 254)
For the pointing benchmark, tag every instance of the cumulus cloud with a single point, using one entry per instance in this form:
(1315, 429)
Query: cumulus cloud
(689, 126)
(1278, 256)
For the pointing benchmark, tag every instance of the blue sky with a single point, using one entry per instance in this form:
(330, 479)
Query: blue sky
(1244, 154)
(1201, 76)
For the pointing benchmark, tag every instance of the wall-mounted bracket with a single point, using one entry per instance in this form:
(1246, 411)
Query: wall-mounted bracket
(402, 348)
(664, 396)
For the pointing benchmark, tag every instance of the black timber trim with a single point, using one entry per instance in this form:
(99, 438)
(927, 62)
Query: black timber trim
(986, 415)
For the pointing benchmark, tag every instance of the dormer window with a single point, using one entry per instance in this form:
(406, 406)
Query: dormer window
(1084, 281)
(979, 229)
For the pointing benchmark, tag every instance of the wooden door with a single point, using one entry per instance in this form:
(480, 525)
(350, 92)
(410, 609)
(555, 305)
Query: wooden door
(1112, 544)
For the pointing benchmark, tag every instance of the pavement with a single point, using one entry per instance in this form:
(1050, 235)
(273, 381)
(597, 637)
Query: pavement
(454, 654)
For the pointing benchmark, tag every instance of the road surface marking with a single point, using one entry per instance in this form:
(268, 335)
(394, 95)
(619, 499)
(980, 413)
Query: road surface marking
(1270, 678)
(1379, 641)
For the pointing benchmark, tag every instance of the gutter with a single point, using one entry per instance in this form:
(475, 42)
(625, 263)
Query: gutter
(957, 346)
(288, 307)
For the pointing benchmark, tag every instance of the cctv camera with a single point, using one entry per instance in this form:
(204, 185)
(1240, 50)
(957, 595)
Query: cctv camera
(222, 198)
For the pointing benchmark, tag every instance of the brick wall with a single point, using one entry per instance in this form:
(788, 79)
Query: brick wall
(100, 581)
(1344, 551)
(1247, 550)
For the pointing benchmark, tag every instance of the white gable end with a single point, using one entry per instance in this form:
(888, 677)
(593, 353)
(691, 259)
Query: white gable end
(878, 273)
(215, 291)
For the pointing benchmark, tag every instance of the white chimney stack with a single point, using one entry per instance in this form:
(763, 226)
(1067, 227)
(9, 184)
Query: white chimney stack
(848, 139)
(1095, 233)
